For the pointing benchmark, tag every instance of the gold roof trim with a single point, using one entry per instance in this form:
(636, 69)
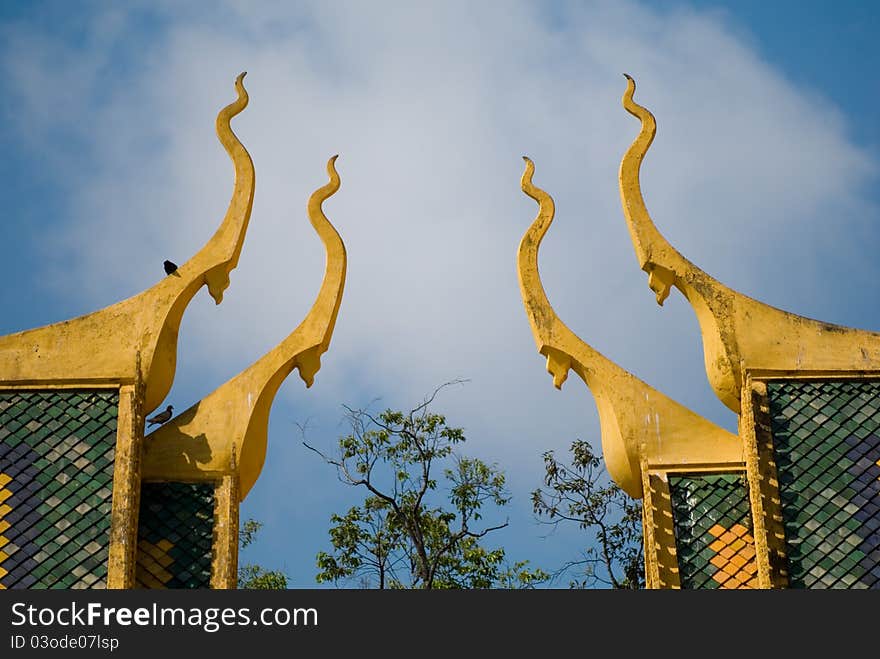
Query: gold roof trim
(105, 346)
(739, 333)
(636, 420)
(227, 431)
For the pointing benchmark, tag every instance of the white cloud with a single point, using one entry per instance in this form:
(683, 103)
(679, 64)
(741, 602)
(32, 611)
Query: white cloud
(430, 107)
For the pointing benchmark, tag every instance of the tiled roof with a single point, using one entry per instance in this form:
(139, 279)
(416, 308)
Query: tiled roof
(713, 531)
(56, 472)
(826, 437)
(175, 531)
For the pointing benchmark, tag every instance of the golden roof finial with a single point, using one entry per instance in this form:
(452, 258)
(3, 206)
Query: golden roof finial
(228, 429)
(102, 347)
(636, 420)
(738, 332)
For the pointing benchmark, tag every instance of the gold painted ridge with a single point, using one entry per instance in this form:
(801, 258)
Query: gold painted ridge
(637, 421)
(227, 431)
(740, 334)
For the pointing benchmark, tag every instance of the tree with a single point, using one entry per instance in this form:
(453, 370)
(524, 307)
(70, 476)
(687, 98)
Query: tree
(250, 575)
(582, 493)
(405, 534)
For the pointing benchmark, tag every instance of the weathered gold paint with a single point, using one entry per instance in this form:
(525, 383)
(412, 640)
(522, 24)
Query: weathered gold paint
(226, 432)
(739, 333)
(658, 528)
(649, 544)
(763, 485)
(122, 554)
(747, 433)
(636, 419)
(224, 562)
(147, 323)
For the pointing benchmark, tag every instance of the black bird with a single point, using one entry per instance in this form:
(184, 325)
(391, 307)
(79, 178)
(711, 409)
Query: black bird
(170, 267)
(161, 417)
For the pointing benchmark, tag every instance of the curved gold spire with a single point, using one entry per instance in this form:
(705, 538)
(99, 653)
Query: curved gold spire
(637, 421)
(106, 345)
(739, 332)
(226, 432)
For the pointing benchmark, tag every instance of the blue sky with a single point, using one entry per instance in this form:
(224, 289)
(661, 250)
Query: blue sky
(764, 173)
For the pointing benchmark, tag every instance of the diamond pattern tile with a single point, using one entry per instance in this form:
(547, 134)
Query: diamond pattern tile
(175, 532)
(56, 486)
(713, 531)
(826, 439)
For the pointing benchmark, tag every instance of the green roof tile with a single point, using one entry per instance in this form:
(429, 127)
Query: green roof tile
(182, 514)
(51, 423)
(826, 437)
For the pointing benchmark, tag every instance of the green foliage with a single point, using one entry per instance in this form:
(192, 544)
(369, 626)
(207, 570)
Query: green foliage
(474, 567)
(365, 543)
(252, 576)
(582, 493)
(406, 534)
(248, 532)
